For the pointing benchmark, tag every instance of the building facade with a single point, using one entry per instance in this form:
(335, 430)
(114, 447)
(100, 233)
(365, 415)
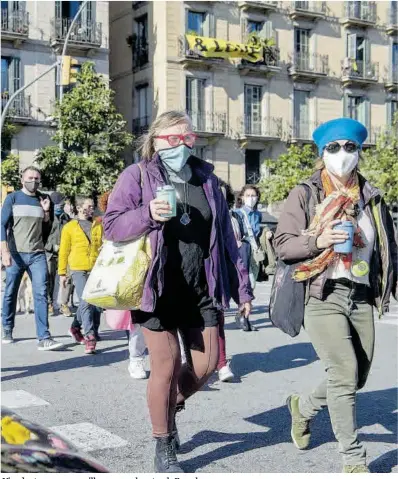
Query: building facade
(32, 35)
(330, 59)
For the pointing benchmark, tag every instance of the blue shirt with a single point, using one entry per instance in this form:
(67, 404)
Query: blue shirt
(22, 222)
(254, 220)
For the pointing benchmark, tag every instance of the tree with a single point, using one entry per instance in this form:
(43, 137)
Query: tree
(10, 174)
(286, 172)
(90, 138)
(380, 165)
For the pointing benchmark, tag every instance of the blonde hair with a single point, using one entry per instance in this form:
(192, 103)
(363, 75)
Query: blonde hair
(165, 120)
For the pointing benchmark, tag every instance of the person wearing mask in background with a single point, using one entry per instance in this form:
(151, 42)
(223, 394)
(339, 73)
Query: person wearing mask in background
(52, 249)
(195, 269)
(26, 220)
(250, 219)
(81, 240)
(342, 286)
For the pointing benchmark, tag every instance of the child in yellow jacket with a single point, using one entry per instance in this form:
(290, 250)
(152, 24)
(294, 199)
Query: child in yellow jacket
(81, 241)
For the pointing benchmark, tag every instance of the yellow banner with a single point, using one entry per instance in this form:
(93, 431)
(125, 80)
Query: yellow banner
(215, 48)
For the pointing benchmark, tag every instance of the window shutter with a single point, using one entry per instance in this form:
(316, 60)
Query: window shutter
(352, 46)
(212, 25)
(367, 113)
(267, 29)
(345, 105)
(15, 84)
(58, 10)
(389, 113)
(367, 51)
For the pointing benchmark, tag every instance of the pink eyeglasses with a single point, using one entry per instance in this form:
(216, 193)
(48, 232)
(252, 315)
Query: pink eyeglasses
(174, 140)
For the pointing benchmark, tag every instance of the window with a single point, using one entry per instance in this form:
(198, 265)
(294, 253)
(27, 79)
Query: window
(142, 103)
(301, 127)
(392, 111)
(140, 45)
(252, 101)
(302, 48)
(10, 74)
(358, 50)
(199, 151)
(252, 163)
(194, 103)
(394, 59)
(254, 26)
(196, 21)
(67, 9)
(358, 108)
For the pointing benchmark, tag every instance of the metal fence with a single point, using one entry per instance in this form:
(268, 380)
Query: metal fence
(208, 122)
(268, 127)
(363, 11)
(310, 62)
(20, 107)
(311, 7)
(85, 33)
(359, 69)
(15, 22)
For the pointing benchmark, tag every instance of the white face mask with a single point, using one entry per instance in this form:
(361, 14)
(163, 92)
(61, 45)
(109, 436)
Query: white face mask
(251, 201)
(341, 163)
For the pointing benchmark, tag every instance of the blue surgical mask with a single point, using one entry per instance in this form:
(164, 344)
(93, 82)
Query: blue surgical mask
(175, 158)
(58, 211)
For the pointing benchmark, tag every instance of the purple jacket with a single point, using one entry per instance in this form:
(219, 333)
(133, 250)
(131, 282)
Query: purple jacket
(128, 217)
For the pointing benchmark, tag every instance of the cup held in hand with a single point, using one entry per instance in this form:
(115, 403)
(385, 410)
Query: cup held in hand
(346, 247)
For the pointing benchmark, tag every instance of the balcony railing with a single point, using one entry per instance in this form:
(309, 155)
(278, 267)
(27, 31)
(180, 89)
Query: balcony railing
(271, 59)
(309, 63)
(141, 125)
(140, 54)
(302, 130)
(208, 122)
(268, 127)
(359, 12)
(308, 9)
(20, 107)
(89, 33)
(353, 70)
(186, 53)
(16, 22)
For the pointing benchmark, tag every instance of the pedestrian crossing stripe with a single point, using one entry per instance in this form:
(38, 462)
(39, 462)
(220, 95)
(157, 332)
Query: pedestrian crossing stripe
(18, 398)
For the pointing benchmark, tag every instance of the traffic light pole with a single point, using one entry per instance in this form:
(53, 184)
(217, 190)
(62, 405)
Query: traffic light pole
(8, 104)
(82, 6)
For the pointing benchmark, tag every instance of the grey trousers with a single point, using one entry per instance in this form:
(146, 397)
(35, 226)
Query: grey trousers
(341, 329)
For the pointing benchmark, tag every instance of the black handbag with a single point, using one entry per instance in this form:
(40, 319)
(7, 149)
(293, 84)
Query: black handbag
(287, 301)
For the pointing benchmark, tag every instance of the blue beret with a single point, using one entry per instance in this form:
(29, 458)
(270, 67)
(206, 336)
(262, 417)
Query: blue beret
(339, 129)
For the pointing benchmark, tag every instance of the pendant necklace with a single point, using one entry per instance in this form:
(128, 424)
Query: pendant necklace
(185, 218)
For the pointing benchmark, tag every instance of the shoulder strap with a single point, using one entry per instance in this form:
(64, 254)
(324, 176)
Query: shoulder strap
(252, 238)
(310, 194)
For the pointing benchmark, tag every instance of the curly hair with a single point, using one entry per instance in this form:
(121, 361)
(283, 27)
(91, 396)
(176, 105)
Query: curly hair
(239, 202)
(103, 201)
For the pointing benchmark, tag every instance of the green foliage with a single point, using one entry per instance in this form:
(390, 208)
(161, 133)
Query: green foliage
(9, 130)
(380, 164)
(287, 171)
(93, 137)
(10, 174)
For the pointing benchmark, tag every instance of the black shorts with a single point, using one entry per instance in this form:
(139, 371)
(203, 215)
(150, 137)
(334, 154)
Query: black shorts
(173, 313)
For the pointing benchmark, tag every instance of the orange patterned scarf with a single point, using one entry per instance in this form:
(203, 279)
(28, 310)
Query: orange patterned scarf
(339, 203)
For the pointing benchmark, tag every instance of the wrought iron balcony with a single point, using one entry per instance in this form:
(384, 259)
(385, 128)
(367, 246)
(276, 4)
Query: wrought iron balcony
(258, 5)
(209, 123)
(392, 20)
(192, 57)
(84, 35)
(374, 133)
(391, 79)
(359, 14)
(302, 130)
(307, 10)
(265, 128)
(140, 54)
(20, 109)
(310, 66)
(270, 65)
(141, 125)
(353, 71)
(14, 24)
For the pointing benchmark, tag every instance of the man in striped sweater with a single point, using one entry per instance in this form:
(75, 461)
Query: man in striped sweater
(25, 225)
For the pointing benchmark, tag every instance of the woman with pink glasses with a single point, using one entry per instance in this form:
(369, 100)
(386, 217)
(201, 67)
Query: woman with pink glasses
(195, 269)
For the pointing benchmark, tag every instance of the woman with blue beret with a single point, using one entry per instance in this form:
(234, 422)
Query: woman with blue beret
(338, 231)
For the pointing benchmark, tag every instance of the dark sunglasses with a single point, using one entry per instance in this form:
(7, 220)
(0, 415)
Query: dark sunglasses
(349, 147)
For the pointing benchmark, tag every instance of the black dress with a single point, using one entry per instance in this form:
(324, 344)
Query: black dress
(185, 302)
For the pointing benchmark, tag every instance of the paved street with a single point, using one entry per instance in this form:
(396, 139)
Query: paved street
(239, 427)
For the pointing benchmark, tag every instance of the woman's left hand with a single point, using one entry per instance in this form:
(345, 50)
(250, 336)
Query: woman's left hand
(245, 309)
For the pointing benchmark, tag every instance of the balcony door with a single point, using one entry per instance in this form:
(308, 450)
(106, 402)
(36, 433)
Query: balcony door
(358, 51)
(301, 114)
(253, 97)
(194, 103)
(252, 163)
(302, 49)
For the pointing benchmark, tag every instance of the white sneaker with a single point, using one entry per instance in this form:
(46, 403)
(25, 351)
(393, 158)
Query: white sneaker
(225, 374)
(136, 369)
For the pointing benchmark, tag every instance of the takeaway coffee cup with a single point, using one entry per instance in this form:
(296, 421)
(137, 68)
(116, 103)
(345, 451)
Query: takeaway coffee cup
(168, 193)
(345, 247)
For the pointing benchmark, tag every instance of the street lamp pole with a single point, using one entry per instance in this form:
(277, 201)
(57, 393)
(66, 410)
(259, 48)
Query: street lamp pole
(82, 6)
